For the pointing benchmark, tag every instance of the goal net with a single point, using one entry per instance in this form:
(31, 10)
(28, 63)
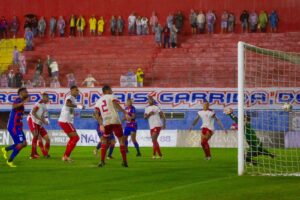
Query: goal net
(268, 111)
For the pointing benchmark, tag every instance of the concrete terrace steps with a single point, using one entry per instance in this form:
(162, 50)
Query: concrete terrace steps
(201, 60)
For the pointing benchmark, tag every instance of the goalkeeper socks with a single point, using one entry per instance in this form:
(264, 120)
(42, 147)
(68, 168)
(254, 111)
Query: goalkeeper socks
(111, 150)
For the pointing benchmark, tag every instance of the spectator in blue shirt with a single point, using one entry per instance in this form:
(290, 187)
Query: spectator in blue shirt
(273, 18)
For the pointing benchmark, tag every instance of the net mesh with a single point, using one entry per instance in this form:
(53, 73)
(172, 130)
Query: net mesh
(272, 134)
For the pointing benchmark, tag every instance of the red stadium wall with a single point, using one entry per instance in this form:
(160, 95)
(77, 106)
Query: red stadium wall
(287, 9)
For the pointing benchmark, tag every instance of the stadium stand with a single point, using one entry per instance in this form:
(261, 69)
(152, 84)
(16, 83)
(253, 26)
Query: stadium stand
(202, 61)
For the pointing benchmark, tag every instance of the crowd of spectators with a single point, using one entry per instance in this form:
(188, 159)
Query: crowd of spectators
(199, 21)
(165, 35)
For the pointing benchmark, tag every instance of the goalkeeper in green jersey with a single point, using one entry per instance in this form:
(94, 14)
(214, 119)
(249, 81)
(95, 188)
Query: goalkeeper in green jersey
(255, 145)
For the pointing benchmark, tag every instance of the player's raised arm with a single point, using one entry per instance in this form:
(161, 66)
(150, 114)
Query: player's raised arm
(220, 123)
(229, 112)
(194, 122)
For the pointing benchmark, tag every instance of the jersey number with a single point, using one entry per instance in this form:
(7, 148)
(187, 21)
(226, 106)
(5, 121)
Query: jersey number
(104, 106)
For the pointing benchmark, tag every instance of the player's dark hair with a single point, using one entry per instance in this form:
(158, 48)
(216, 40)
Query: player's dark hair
(106, 88)
(44, 94)
(21, 89)
(73, 87)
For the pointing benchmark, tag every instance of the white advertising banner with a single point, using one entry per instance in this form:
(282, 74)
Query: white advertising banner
(167, 98)
(167, 138)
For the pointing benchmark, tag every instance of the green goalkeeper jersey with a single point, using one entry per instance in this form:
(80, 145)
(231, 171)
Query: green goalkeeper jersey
(250, 133)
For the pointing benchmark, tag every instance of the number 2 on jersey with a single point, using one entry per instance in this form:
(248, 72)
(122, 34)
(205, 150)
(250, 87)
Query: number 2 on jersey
(104, 106)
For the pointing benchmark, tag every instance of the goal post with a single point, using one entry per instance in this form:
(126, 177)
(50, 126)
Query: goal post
(268, 111)
(241, 108)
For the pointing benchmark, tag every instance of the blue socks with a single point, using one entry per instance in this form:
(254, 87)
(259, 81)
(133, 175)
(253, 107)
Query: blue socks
(137, 147)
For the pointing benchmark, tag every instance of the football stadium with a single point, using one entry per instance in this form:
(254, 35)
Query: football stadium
(148, 99)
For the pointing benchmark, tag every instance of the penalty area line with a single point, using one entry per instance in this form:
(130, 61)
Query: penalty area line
(173, 189)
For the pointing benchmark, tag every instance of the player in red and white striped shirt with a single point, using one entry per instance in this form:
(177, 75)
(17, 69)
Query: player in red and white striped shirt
(208, 126)
(66, 120)
(36, 119)
(106, 112)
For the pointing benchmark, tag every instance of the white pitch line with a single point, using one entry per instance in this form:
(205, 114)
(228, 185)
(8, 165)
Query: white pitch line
(174, 188)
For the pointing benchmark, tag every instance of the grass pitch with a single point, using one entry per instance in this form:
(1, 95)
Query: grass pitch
(181, 174)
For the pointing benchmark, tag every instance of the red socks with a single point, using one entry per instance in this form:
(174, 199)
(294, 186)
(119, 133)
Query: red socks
(47, 148)
(205, 147)
(123, 152)
(156, 148)
(103, 151)
(33, 145)
(71, 145)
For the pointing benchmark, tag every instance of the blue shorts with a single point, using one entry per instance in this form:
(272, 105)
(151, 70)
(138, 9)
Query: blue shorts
(17, 135)
(100, 134)
(128, 130)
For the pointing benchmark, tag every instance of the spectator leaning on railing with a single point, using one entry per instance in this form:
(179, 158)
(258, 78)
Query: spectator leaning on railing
(89, 81)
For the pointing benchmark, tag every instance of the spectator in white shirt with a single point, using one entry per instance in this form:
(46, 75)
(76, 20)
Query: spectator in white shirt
(54, 69)
(131, 24)
(89, 81)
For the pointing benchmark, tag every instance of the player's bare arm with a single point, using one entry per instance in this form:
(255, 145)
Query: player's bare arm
(117, 105)
(71, 105)
(147, 115)
(34, 113)
(99, 119)
(195, 122)
(163, 117)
